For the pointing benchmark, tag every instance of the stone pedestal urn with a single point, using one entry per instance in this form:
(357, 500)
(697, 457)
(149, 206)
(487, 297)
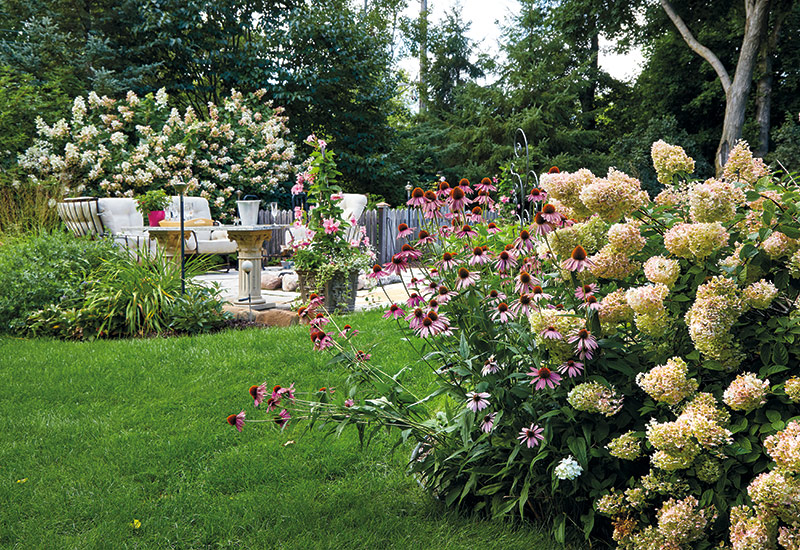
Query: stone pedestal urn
(339, 291)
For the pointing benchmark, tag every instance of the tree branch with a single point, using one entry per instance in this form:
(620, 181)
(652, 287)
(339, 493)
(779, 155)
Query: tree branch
(698, 48)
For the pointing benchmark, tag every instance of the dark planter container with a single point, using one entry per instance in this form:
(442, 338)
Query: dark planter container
(339, 291)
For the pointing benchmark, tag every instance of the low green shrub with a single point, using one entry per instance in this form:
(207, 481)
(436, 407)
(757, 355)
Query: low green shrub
(200, 310)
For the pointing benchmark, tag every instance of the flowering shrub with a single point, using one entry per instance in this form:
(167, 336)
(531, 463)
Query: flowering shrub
(617, 355)
(126, 147)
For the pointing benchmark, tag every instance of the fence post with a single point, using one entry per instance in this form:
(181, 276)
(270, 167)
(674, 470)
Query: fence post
(383, 231)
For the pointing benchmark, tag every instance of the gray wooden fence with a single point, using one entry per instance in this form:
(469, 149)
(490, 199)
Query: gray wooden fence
(381, 225)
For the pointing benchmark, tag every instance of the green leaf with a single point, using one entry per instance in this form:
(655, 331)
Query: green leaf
(773, 415)
(463, 347)
(780, 355)
(560, 528)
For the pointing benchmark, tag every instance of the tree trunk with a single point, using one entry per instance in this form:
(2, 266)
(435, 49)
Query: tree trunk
(757, 15)
(423, 56)
(765, 75)
(588, 96)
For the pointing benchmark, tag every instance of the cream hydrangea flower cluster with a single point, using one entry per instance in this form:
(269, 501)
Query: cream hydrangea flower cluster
(714, 201)
(614, 310)
(742, 166)
(625, 238)
(784, 447)
(750, 531)
(647, 303)
(717, 307)
(659, 269)
(610, 264)
(593, 397)
(627, 446)
(684, 521)
(614, 196)
(590, 234)
(669, 160)
(668, 383)
(778, 245)
(565, 188)
(695, 240)
(776, 494)
(760, 294)
(789, 537)
(746, 393)
(565, 322)
(792, 388)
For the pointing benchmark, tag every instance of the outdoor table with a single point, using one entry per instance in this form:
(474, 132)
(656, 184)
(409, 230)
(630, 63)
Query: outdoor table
(248, 239)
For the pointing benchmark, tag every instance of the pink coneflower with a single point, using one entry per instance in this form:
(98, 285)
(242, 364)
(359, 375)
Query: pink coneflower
(319, 321)
(466, 231)
(432, 205)
(394, 312)
(258, 393)
(475, 215)
(550, 214)
(495, 296)
(377, 272)
(315, 300)
(466, 278)
(440, 322)
(273, 401)
(551, 333)
(463, 183)
(585, 290)
(540, 225)
(347, 331)
(537, 195)
(426, 328)
(288, 392)
(330, 225)
(423, 238)
(505, 261)
(362, 356)
(444, 189)
(457, 200)
(538, 293)
(414, 300)
(585, 343)
(484, 199)
(530, 436)
(577, 261)
(404, 231)
(502, 313)
(409, 253)
(283, 418)
(349, 403)
(490, 366)
(321, 340)
(544, 378)
(522, 305)
(415, 318)
(397, 265)
(417, 197)
(479, 256)
(590, 302)
(433, 304)
(492, 228)
(444, 294)
(524, 241)
(524, 282)
(529, 263)
(487, 423)
(571, 368)
(477, 401)
(485, 185)
(237, 420)
(448, 261)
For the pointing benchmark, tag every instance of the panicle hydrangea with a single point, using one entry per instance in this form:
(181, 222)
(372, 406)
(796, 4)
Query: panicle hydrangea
(714, 201)
(792, 388)
(784, 447)
(610, 264)
(750, 531)
(695, 240)
(653, 324)
(707, 468)
(636, 497)
(590, 234)
(614, 310)
(668, 383)
(624, 527)
(612, 504)
(760, 294)
(648, 299)
(663, 483)
(794, 265)
(593, 397)
(717, 307)
(669, 160)
(659, 269)
(568, 468)
(735, 259)
(746, 393)
(676, 450)
(742, 166)
(778, 245)
(627, 446)
(614, 196)
(565, 322)
(566, 187)
(684, 521)
(789, 537)
(776, 494)
(626, 238)
(669, 197)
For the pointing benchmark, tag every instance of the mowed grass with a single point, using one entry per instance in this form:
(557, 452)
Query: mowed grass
(105, 433)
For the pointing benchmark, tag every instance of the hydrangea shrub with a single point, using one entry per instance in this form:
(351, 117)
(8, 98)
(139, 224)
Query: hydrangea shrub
(125, 147)
(619, 356)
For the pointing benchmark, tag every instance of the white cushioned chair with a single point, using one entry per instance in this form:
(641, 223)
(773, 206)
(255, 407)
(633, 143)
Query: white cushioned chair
(205, 239)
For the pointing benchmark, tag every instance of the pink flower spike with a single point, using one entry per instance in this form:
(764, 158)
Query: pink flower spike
(297, 188)
(283, 418)
(544, 377)
(571, 368)
(237, 420)
(394, 312)
(477, 401)
(551, 333)
(530, 436)
(331, 225)
(488, 422)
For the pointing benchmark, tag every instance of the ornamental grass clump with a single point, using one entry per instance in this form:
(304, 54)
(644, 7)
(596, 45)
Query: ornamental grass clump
(625, 359)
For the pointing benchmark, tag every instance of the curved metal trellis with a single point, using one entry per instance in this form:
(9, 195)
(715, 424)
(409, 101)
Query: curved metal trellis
(522, 177)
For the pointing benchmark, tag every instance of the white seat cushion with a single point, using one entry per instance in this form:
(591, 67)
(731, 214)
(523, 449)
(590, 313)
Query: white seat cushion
(215, 247)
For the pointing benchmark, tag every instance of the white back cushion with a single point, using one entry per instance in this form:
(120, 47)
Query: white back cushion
(197, 205)
(119, 213)
(353, 205)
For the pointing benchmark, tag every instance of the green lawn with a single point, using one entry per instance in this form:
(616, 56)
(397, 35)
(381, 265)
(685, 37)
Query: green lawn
(112, 431)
